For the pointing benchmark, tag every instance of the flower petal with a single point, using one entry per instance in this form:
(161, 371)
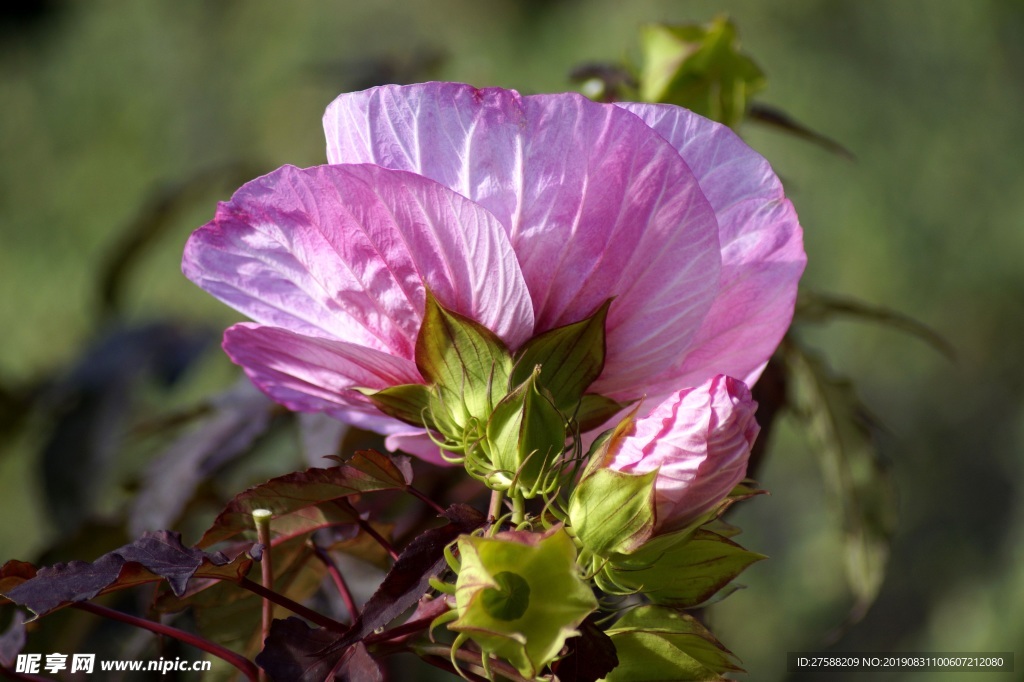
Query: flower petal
(595, 205)
(344, 252)
(311, 374)
(699, 440)
(762, 247)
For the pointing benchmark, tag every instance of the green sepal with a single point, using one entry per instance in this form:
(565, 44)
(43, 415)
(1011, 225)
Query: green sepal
(408, 402)
(524, 620)
(594, 410)
(682, 575)
(654, 643)
(525, 434)
(571, 358)
(613, 512)
(465, 361)
(699, 67)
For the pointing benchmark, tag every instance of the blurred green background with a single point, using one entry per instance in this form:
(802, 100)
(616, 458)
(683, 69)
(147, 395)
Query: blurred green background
(107, 104)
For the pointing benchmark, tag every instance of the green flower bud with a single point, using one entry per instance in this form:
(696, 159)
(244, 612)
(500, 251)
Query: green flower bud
(519, 596)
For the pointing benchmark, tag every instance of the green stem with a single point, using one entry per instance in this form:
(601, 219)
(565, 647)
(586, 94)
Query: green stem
(497, 497)
(518, 509)
(261, 517)
(247, 667)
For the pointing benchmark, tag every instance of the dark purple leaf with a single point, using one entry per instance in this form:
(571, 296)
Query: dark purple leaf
(408, 579)
(14, 573)
(357, 665)
(155, 556)
(236, 418)
(295, 652)
(301, 492)
(89, 405)
(591, 655)
(13, 640)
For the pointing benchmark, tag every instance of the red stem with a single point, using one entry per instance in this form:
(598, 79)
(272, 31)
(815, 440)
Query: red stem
(247, 667)
(368, 529)
(293, 606)
(339, 581)
(429, 502)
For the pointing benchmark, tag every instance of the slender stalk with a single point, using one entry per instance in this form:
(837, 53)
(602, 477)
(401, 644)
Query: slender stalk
(293, 606)
(247, 667)
(426, 500)
(369, 530)
(494, 511)
(472, 661)
(339, 580)
(262, 519)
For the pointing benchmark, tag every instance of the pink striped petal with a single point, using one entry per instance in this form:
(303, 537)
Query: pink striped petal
(595, 204)
(343, 252)
(312, 374)
(699, 441)
(762, 248)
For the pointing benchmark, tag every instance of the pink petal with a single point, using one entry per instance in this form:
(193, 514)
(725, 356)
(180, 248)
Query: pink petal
(311, 374)
(595, 204)
(343, 252)
(699, 441)
(762, 248)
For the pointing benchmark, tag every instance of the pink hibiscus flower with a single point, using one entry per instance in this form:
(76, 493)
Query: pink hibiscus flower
(522, 213)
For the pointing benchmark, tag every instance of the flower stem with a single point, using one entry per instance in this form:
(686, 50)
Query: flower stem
(293, 606)
(497, 498)
(262, 519)
(247, 667)
(518, 509)
(339, 581)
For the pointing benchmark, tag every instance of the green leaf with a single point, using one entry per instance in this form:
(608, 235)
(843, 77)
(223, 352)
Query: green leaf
(525, 434)
(297, 499)
(685, 574)
(570, 357)
(595, 410)
(854, 473)
(655, 644)
(466, 361)
(700, 68)
(613, 512)
(407, 402)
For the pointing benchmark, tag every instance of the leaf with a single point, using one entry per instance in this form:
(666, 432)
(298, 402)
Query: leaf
(655, 643)
(295, 652)
(91, 405)
(595, 410)
(612, 511)
(12, 641)
(700, 68)
(408, 579)
(296, 499)
(12, 574)
(854, 473)
(686, 574)
(591, 655)
(571, 358)
(153, 557)
(407, 402)
(817, 307)
(236, 419)
(231, 616)
(466, 361)
(525, 433)
(762, 113)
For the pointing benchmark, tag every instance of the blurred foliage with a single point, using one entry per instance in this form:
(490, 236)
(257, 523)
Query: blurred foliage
(123, 123)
